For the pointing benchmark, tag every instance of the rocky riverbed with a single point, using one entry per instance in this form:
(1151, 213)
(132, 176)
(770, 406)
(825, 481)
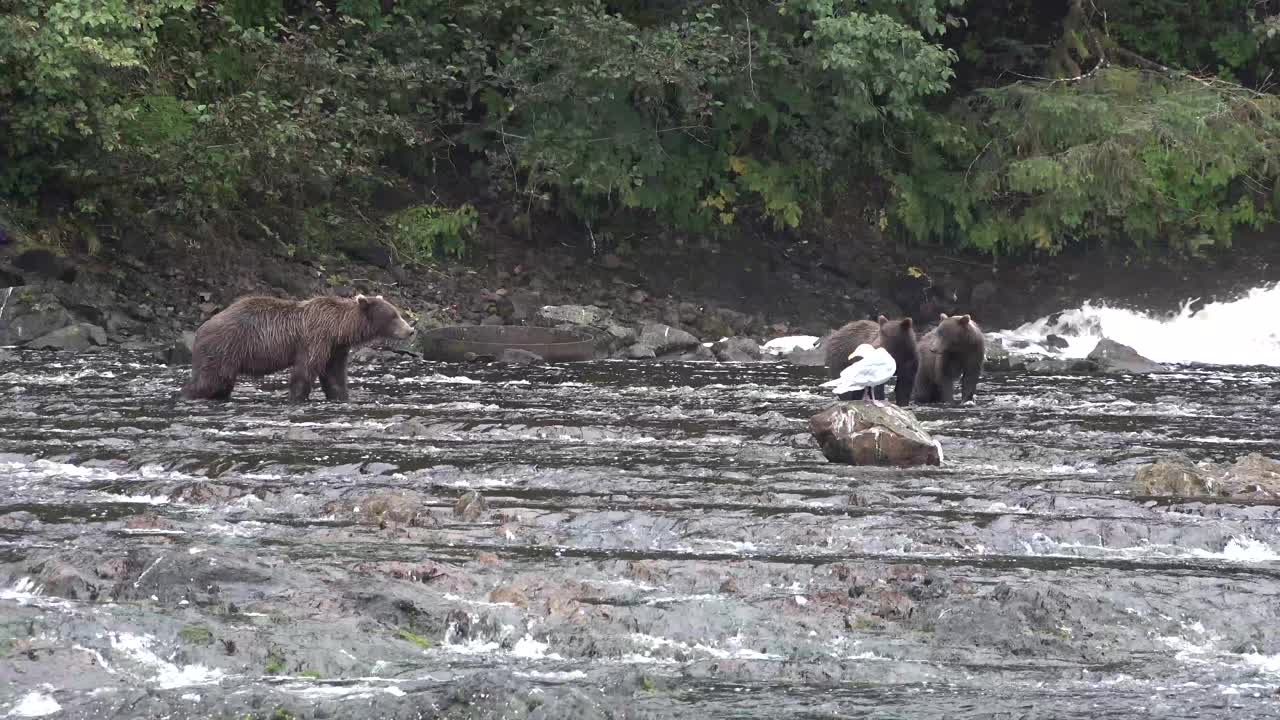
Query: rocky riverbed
(626, 540)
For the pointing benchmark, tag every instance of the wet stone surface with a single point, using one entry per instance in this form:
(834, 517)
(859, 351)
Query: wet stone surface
(644, 541)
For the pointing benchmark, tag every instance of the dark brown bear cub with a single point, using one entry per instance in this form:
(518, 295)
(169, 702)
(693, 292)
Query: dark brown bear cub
(896, 336)
(954, 349)
(257, 336)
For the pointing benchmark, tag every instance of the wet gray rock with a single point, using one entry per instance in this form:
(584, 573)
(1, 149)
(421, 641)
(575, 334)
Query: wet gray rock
(1176, 475)
(1043, 365)
(179, 351)
(998, 358)
(76, 338)
(394, 507)
(854, 433)
(26, 314)
(621, 334)
(573, 314)
(203, 491)
(665, 339)
(639, 351)
(471, 506)
(409, 428)
(806, 358)
(1112, 357)
(65, 580)
(737, 349)
(700, 353)
(516, 356)
(1251, 476)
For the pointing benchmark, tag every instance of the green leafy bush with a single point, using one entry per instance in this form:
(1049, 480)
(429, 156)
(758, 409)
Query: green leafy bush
(424, 232)
(244, 117)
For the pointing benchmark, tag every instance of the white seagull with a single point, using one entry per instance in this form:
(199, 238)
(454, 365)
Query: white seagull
(869, 367)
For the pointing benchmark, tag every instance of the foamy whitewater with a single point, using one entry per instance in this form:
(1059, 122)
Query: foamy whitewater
(1241, 332)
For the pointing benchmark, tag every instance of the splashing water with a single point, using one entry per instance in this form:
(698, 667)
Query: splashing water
(1241, 332)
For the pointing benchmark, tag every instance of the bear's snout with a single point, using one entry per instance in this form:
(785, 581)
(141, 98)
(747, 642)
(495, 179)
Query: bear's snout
(402, 329)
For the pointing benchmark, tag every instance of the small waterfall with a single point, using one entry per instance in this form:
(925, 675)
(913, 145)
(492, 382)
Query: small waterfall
(1241, 332)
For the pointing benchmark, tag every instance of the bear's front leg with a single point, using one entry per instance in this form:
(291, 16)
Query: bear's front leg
(969, 385)
(947, 390)
(334, 378)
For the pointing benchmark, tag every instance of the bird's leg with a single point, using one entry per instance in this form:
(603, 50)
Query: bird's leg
(867, 396)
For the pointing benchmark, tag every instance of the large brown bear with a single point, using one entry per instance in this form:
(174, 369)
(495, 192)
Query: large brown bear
(954, 349)
(896, 336)
(257, 336)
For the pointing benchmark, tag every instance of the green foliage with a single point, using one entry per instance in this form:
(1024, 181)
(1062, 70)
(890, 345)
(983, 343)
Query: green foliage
(1123, 156)
(283, 120)
(1225, 37)
(418, 640)
(709, 113)
(67, 66)
(275, 663)
(196, 634)
(420, 233)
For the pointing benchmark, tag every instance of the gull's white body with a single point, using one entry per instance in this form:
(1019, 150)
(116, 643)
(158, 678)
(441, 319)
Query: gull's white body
(875, 366)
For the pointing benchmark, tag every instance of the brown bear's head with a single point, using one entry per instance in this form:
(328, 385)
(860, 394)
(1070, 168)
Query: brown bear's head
(958, 331)
(896, 332)
(383, 318)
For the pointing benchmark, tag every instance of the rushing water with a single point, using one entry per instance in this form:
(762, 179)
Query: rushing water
(1244, 331)
(660, 541)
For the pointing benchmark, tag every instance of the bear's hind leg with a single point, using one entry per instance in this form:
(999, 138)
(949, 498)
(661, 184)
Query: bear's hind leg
(300, 383)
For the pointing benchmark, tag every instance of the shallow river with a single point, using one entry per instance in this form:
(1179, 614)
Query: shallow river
(655, 541)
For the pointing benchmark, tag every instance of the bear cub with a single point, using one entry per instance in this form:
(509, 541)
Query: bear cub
(258, 336)
(955, 349)
(896, 336)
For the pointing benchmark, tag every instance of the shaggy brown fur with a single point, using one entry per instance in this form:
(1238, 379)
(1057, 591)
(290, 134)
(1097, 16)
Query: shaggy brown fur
(954, 349)
(257, 336)
(896, 336)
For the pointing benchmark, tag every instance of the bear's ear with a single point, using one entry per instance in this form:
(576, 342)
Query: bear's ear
(883, 319)
(943, 315)
(377, 297)
(964, 319)
(364, 301)
(906, 323)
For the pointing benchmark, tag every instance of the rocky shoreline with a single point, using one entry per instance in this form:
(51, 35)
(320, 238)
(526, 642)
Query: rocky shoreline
(693, 303)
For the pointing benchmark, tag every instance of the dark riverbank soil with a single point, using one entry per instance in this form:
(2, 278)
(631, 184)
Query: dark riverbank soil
(784, 282)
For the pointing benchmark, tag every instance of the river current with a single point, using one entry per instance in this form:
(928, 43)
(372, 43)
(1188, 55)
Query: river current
(657, 540)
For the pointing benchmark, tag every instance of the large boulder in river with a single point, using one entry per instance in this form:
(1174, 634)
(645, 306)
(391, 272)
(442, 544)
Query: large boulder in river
(665, 339)
(1174, 475)
(737, 349)
(1252, 476)
(76, 338)
(1111, 357)
(855, 433)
